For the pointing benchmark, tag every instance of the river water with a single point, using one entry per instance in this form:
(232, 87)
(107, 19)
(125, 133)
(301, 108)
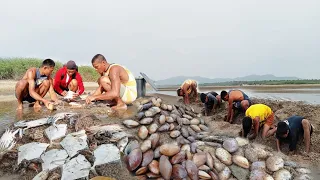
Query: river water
(308, 94)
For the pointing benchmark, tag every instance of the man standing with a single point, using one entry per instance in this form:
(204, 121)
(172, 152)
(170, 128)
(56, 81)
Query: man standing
(237, 100)
(211, 101)
(116, 83)
(290, 130)
(188, 89)
(35, 84)
(258, 116)
(68, 79)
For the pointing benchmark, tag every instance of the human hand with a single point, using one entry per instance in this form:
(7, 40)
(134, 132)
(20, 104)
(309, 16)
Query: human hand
(89, 99)
(49, 105)
(64, 93)
(75, 95)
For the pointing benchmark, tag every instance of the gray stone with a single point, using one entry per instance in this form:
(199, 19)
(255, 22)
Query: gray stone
(231, 145)
(238, 172)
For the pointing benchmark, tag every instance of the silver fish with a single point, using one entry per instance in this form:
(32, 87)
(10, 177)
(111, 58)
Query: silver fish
(7, 141)
(111, 128)
(122, 143)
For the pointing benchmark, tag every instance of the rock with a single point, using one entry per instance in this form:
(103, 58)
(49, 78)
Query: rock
(31, 151)
(187, 116)
(224, 156)
(146, 145)
(179, 172)
(204, 175)
(199, 159)
(178, 158)
(157, 153)
(218, 165)
(154, 167)
(76, 168)
(154, 138)
(146, 121)
(143, 132)
(185, 147)
(291, 164)
(251, 154)
(169, 149)
(274, 163)
(303, 171)
(225, 174)
(258, 165)
(195, 122)
(242, 141)
(204, 168)
(240, 161)
(169, 119)
(153, 128)
(195, 128)
(134, 159)
(130, 123)
(282, 174)
(165, 167)
(192, 170)
(141, 170)
(184, 132)
(53, 158)
(174, 134)
(239, 152)
(259, 174)
(210, 160)
(238, 172)
(162, 119)
(147, 158)
(203, 127)
(231, 145)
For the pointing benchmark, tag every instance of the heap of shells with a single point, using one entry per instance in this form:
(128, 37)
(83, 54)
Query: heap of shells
(193, 152)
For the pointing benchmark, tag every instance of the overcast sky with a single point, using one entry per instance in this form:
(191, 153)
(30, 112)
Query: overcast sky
(166, 38)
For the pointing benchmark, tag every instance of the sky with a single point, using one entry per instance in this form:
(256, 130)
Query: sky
(209, 38)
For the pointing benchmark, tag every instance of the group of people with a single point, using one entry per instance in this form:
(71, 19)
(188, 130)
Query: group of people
(117, 84)
(258, 117)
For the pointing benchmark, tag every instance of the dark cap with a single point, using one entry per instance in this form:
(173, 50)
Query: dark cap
(71, 65)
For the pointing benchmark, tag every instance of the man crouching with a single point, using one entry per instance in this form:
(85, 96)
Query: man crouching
(116, 84)
(35, 84)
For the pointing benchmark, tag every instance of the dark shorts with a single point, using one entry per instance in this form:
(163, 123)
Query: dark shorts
(29, 99)
(237, 105)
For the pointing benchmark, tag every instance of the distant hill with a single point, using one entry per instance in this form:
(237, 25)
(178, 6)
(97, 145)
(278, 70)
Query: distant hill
(179, 79)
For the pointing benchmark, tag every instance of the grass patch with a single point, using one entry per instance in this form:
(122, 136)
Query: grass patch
(15, 68)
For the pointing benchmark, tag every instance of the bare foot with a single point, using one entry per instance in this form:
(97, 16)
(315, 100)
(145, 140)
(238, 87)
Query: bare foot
(119, 107)
(20, 106)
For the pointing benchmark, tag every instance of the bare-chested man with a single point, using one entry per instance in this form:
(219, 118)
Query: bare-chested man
(236, 99)
(35, 84)
(116, 83)
(188, 90)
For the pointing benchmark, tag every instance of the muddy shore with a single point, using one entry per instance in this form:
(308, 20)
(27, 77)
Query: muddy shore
(282, 109)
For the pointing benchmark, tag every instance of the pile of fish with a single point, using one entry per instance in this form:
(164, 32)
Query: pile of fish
(193, 152)
(74, 156)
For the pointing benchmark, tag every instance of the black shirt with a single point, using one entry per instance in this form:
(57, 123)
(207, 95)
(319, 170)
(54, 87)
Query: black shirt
(212, 100)
(295, 130)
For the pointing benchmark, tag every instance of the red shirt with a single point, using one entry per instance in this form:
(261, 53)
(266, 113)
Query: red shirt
(60, 82)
